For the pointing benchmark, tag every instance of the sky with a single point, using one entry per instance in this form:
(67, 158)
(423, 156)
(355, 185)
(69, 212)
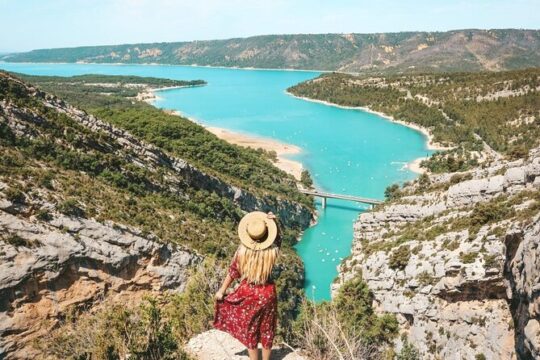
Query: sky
(36, 24)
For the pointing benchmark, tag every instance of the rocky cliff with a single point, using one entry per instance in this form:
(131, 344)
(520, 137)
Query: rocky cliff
(46, 268)
(456, 258)
(72, 190)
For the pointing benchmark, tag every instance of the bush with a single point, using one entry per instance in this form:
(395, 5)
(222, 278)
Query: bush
(44, 215)
(15, 196)
(192, 310)
(115, 332)
(70, 208)
(489, 212)
(392, 192)
(347, 328)
(305, 179)
(18, 241)
(468, 258)
(400, 257)
(408, 352)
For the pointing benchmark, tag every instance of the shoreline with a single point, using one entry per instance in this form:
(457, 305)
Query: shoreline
(184, 65)
(291, 167)
(431, 144)
(414, 165)
(149, 95)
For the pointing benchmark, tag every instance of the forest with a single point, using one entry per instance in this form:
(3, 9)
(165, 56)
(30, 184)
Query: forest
(462, 110)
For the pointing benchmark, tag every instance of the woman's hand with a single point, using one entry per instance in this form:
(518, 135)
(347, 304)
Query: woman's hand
(219, 296)
(271, 215)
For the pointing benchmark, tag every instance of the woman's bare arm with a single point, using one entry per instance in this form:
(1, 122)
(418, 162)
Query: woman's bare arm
(226, 283)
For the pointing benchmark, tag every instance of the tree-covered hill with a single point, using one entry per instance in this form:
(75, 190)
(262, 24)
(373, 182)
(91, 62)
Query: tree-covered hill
(479, 114)
(457, 50)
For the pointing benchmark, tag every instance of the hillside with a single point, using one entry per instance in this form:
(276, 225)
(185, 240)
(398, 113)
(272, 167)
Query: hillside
(454, 254)
(119, 223)
(458, 50)
(456, 257)
(481, 116)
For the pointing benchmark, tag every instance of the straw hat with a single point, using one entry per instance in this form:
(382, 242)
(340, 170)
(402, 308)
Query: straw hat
(257, 231)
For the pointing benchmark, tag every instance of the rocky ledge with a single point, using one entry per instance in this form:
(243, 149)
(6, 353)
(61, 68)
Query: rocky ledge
(217, 345)
(48, 267)
(456, 257)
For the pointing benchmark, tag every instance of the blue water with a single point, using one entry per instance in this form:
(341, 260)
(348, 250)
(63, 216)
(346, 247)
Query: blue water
(347, 151)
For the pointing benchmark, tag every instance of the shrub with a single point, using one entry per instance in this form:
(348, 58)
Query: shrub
(491, 261)
(44, 215)
(305, 179)
(488, 212)
(115, 332)
(70, 208)
(468, 258)
(392, 192)
(18, 241)
(347, 328)
(15, 196)
(46, 180)
(191, 311)
(425, 278)
(423, 180)
(400, 257)
(408, 352)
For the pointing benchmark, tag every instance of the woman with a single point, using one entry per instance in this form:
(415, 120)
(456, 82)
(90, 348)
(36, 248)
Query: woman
(249, 313)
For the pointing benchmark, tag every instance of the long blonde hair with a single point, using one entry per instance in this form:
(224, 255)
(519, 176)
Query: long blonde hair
(256, 265)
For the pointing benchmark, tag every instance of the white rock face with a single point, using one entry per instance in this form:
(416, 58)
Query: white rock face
(75, 261)
(458, 293)
(524, 267)
(218, 345)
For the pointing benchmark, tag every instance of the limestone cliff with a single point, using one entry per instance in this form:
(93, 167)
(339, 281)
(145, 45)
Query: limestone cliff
(456, 258)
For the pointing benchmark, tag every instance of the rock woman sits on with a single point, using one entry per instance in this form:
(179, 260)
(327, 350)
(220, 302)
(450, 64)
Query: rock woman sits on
(249, 313)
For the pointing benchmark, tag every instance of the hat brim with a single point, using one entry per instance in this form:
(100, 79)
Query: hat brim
(264, 243)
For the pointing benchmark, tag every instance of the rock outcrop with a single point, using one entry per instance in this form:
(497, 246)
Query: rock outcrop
(457, 260)
(218, 345)
(74, 262)
(523, 273)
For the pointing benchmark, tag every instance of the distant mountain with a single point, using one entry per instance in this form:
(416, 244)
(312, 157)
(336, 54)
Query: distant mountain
(458, 50)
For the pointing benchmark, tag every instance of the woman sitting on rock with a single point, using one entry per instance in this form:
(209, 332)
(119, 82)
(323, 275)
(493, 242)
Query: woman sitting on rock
(249, 313)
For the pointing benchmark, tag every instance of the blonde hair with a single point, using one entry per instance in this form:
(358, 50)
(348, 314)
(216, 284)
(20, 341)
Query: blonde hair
(256, 265)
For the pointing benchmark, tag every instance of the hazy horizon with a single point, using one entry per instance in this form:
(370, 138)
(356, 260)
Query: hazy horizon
(33, 24)
(4, 51)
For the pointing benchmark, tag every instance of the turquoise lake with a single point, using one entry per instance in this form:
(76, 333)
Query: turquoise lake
(347, 151)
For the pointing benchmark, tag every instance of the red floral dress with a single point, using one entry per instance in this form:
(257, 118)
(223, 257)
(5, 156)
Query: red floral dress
(249, 313)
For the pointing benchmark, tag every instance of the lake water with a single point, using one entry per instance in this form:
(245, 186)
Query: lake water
(347, 151)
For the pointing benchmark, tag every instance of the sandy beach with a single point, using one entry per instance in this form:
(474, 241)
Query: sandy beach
(414, 165)
(291, 167)
(149, 95)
